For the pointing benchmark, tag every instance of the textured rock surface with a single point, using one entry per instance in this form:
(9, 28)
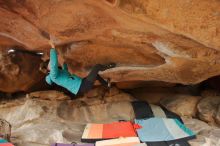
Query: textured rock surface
(208, 109)
(152, 95)
(154, 92)
(206, 135)
(149, 40)
(217, 116)
(210, 93)
(65, 119)
(183, 105)
(48, 95)
(195, 19)
(19, 71)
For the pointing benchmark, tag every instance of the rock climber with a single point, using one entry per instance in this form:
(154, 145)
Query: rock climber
(73, 83)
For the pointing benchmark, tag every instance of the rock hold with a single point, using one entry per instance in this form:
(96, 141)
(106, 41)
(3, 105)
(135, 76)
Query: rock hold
(208, 109)
(183, 105)
(148, 41)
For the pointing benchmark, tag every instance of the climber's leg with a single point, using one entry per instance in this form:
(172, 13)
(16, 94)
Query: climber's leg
(89, 81)
(102, 81)
(95, 70)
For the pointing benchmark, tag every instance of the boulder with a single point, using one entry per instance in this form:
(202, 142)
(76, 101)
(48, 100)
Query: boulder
(210, 93)
(101, 95)
(48, 95)
(183, 105)
(19, 71)
(96, 92)
(166, 47)
(26, 112)
(182, 20)
(152, 95)
(217, 115)
(119, 97)
(206, 135)
(113, 91)
(208, 108)
(64, 119)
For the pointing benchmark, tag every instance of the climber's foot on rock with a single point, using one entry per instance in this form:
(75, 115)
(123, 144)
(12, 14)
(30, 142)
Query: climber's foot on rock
(108, 66)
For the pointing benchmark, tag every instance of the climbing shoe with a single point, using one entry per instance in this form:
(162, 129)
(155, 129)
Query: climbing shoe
(108, 66)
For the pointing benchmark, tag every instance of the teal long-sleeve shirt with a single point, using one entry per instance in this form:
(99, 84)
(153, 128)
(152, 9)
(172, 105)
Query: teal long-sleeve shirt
(62, 77)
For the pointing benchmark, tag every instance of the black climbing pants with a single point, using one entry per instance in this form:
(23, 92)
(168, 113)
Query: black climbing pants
(88, 82)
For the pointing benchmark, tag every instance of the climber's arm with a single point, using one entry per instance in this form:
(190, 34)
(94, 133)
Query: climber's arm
(48, 80)
(65, 67)
(53, 63)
